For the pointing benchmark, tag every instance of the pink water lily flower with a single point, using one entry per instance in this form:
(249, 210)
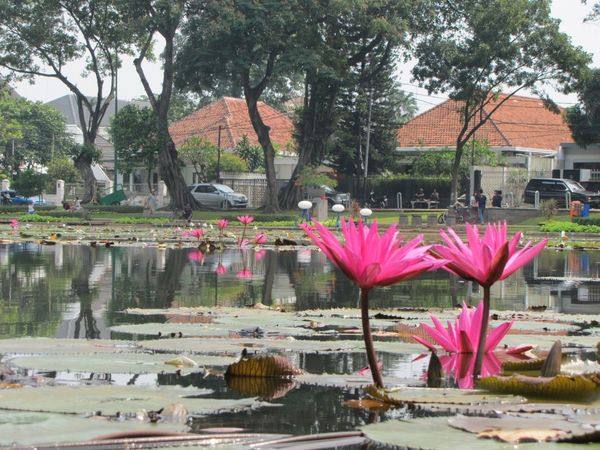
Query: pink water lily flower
(260, 238)
(260, 254)
(14, 223)
(221, 269)
(372, 260)
(463, 335)
(222, 224)
(196, 232)
(246, 220)
(462, 365)
(485, 260)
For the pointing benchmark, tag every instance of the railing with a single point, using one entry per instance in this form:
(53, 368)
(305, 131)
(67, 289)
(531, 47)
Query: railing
(536, 201)
(399, 200)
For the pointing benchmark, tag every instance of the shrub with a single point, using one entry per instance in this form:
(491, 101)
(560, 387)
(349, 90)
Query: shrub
(548, 208)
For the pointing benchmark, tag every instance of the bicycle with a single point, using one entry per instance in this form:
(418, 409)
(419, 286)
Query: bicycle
(461, 215)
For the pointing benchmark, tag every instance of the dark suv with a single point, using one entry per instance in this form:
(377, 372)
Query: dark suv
(557, 188)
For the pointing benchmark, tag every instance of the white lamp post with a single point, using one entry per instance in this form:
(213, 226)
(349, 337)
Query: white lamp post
(338, 209)
(365, 214)
(305, 206)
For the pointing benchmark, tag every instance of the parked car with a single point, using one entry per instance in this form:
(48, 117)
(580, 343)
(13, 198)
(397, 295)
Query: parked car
(557, 189)
(16, 199)
(331, 194)
(218, 196)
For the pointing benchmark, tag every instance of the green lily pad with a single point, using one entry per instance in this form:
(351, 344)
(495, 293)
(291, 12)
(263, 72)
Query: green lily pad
(29, 428)
(449, 396)
(434, 433)
(115, 363)
(112, 399)
(235, 346)
(29, 345)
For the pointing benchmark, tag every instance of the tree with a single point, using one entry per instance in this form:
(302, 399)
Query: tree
(200, 153)
(476, 49)
(229, 163)
(350, 43)
(31, 134)
(29, 183)
(251, 154)
(136, 139)
(163, 18)
(39, 38)
(584, 118)
(374, 112)
(250, 42)
(62, 168)
(441, 163)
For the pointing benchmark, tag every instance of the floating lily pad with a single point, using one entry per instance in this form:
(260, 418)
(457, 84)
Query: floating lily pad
(235, 346)
(434, 433)
(520, 428)
(405, 395)
(115, 363)
(351, 381)
(28, 428)
(578, 387)
(112, 399)
(29, 345)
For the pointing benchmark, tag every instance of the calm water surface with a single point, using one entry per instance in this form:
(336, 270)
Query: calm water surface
(77, 291)
(71, 291)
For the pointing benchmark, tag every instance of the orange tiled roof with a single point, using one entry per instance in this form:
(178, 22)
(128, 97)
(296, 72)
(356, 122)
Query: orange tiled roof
(232, 115)
(519, 122)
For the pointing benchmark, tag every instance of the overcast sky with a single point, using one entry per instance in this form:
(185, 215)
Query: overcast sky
(570, 12)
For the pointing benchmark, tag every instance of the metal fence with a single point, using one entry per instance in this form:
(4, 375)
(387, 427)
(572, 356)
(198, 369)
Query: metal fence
(255, 189)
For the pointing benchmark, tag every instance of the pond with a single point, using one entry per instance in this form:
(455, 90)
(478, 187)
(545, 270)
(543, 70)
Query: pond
(80, 291)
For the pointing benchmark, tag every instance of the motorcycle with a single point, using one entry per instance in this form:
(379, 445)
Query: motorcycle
(377, 202)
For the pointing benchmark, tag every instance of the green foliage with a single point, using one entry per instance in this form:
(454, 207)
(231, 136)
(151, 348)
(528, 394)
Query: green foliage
(390, 108)
(571, 227)
(30, 133)
(38, 218)
(229, 163)
(311, 176)
(587, 220)
(135, 137)
(29, 183)
(251, 154)
(200, 153)
(408, 185)
(584, 118)
(62, 168)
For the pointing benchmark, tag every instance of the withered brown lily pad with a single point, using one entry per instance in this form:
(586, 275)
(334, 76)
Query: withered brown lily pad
(434, 433)
(262, 366)
(263, 388)
(527, 428)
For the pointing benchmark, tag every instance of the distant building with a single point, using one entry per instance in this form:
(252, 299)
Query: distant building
(522, 130)
(226, 121)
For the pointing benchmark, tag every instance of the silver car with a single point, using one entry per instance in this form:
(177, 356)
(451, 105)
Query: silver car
(218, 196)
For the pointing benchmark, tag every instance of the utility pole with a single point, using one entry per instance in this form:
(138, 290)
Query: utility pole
(116, 110)
(219, 156)
(367, 144)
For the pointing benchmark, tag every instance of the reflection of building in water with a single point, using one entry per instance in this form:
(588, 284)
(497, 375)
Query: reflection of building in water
(572, 279)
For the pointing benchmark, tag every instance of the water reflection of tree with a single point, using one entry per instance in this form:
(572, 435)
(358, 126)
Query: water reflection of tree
(81, 288)
(33, 291)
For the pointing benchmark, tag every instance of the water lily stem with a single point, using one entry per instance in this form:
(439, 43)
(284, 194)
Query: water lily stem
(371, 356)
(483, 332)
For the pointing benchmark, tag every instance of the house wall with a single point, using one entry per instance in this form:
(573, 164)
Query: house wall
(572, 156)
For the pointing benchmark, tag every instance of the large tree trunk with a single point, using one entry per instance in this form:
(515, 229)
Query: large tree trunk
(83, 163)
(316, 128)
(262, 131)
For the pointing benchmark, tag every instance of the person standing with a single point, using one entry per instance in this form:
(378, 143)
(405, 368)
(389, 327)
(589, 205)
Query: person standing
(30, 208)
(497, 199)
(151, 203)
(481, 201)
(474, 205)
